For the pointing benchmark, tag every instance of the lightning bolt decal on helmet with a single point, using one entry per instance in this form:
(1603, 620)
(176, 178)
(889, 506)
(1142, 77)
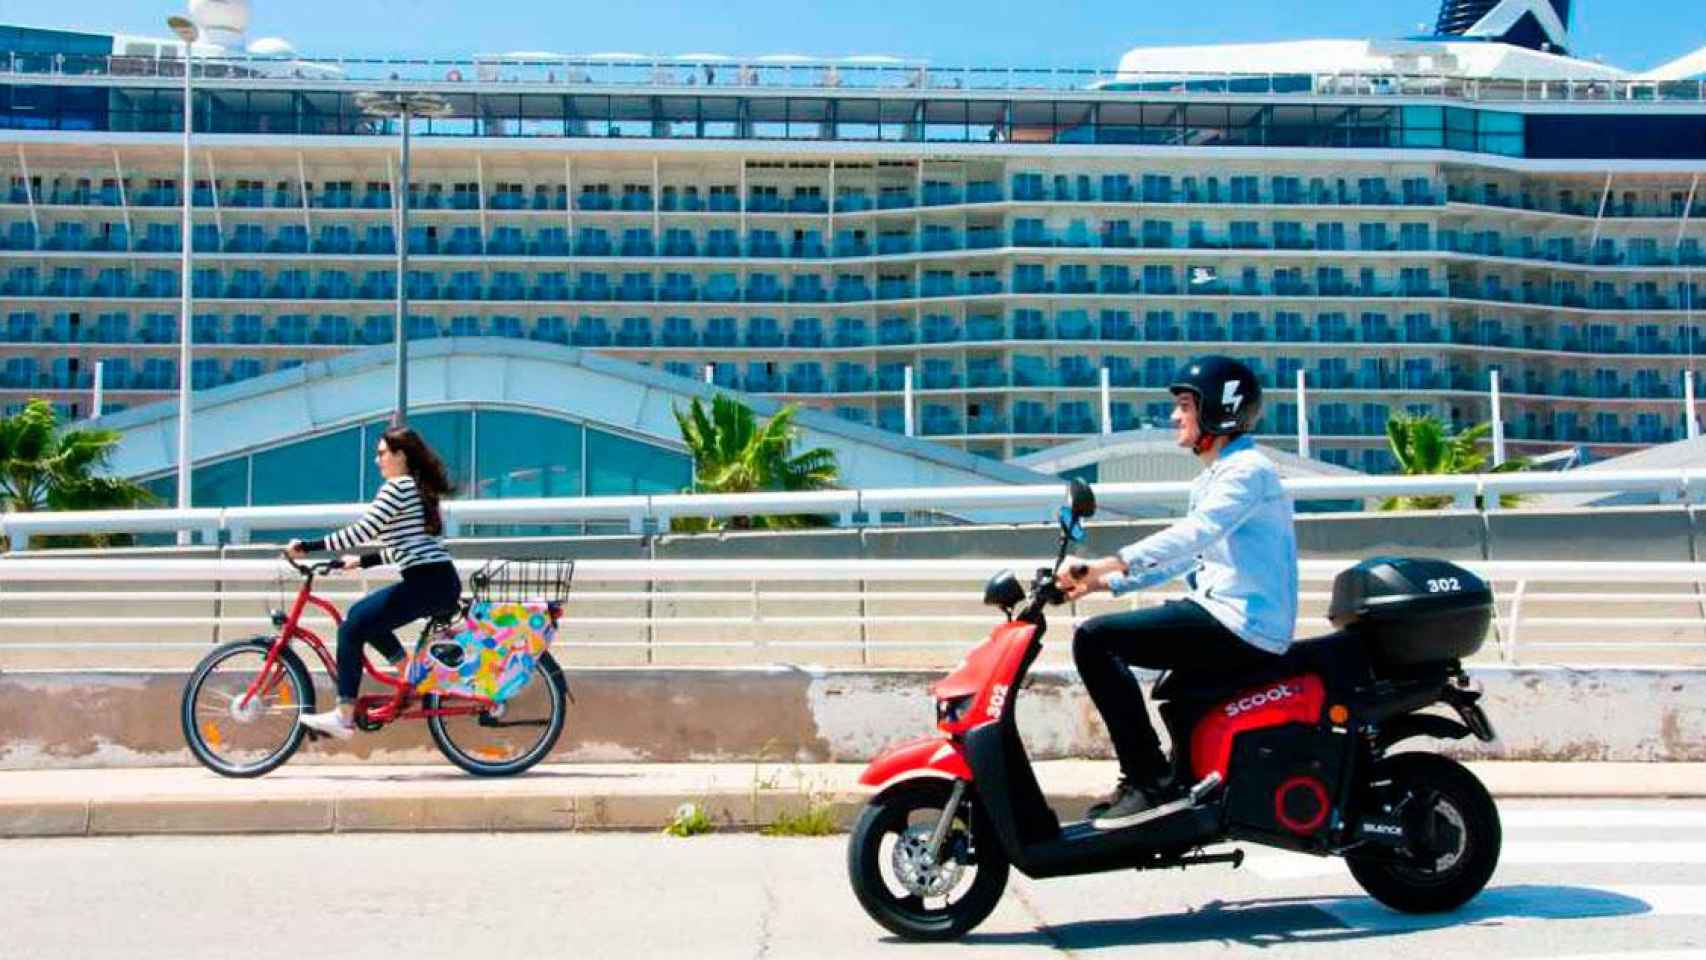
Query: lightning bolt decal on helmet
(1229, 398)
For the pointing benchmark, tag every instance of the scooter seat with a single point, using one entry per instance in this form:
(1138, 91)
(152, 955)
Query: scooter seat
(1331, 655)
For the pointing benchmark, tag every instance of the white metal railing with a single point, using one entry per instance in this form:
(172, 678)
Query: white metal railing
(643, 514)
(1573, 607)
(852, 73)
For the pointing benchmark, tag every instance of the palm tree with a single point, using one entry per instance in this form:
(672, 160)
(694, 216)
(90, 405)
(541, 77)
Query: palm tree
(1423, 446)
(45, 468)
(734, 453)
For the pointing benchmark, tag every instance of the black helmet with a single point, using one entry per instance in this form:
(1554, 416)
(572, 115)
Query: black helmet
(1228, 397)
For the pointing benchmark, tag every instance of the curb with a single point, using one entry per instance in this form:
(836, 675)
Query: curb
(592, 798)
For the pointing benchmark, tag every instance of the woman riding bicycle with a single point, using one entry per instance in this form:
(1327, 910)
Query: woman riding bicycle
(404, 520)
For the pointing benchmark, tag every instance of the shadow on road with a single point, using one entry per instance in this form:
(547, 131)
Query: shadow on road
(1274, 921)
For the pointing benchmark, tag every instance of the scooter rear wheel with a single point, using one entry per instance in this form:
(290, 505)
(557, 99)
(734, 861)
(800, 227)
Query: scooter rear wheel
(900, 887)
(1426, 785)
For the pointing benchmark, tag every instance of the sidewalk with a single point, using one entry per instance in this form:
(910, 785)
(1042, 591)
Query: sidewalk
(310, 798)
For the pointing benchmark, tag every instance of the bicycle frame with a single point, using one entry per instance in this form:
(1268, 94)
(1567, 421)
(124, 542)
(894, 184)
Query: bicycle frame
(371, 710)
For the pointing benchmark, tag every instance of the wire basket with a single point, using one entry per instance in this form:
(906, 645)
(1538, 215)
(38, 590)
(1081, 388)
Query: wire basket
(518, 581)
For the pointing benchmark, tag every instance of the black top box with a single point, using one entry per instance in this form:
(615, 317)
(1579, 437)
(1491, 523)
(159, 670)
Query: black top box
(1412, 610)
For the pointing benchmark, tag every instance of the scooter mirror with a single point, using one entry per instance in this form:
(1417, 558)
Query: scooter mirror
(1082, 499)
(1070, 526)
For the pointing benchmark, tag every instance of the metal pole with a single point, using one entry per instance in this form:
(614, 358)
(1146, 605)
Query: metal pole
(400, 416)
(95, 405)
(1690, 420)
(185, 467)
(909, 399)
(1498, 422)
(710, 373)
(1302, 417)
(1107, 407)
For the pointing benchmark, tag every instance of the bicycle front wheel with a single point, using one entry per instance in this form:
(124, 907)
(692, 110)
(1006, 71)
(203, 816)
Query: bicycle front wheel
(238, 732)
(509, 738)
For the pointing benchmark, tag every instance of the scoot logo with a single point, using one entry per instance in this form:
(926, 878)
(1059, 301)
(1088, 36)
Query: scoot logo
(1274, 695)
(997, 699)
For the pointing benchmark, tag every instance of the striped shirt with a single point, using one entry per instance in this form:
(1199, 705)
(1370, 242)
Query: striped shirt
(396, 520)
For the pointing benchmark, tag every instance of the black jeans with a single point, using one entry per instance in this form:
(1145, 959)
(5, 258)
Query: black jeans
(1177, 635)
(425, 590)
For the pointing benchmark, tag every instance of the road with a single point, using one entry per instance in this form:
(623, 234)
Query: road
(1577, 880)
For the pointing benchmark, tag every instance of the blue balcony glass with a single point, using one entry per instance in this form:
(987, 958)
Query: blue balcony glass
(635, 332)
(851, 290)
(550, 330)
(808, 203)
(765, 203)
(593, 243)
(763, 332)
(759, 379)
(723, 202)
(637, 243)
(984, 372)
(1030, 325)
(592, 286)
(1029, 371)
(678, 332)
(851, 332)
(679, 243)
(892, 289)
(763, 243)
(763, 288)
(940, 194)
(983, 327)
(857, 415)
(940, 329)
(591, 332)
(806, 332)
(892, 331)
(847, 245)
(721, 332)
(939, 421)
(806, 378)
(506, 241)
(939, 375)
(891, 377)
(937, 284)
(721, 288)
(807, 289)
(894, 243)
(635, 287)
(852, 378)
(852, 201)
(550, 242)
(721, 243)
(892, 419)
(808, 247)
(895, 198)
(636, 200)
(678, 288)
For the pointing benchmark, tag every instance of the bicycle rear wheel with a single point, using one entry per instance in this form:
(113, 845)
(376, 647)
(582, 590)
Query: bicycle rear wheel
(513, 736)
(235, 734)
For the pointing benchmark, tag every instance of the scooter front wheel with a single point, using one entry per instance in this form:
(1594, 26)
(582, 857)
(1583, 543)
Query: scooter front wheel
(901, 886)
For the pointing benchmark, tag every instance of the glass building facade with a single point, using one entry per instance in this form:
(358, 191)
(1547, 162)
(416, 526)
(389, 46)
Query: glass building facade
(1010, 247)
(489, 452)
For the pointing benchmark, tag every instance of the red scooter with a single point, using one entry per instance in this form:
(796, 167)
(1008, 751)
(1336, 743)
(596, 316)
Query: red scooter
(1294, 756)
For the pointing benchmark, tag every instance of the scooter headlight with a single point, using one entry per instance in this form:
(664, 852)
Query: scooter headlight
(951, 709)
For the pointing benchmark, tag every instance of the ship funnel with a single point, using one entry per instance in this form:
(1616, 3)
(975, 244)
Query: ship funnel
(1535, 24)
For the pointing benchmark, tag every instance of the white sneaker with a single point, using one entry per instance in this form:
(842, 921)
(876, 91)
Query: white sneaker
(331, 723)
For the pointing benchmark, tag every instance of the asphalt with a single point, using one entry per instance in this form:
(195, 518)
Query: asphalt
(338, 798)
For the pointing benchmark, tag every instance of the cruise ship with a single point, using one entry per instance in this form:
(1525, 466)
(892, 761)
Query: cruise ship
(997, 260)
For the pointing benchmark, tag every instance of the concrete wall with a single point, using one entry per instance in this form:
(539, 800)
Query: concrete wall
(98, 719)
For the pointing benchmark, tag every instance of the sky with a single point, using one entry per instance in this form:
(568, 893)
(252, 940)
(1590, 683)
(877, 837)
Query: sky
(1635, 34)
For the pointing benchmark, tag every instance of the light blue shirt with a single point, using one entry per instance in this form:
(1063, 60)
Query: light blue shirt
(1236, 547)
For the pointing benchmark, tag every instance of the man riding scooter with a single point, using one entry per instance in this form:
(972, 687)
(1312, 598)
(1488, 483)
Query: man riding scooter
(1238, 553)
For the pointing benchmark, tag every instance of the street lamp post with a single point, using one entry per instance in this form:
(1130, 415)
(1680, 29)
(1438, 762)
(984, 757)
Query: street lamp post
(188, 32)
(404, 106)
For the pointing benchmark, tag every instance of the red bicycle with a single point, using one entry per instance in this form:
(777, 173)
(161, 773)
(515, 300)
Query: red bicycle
(241, 705)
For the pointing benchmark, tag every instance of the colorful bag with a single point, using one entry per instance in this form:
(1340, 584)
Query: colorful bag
(489, 652)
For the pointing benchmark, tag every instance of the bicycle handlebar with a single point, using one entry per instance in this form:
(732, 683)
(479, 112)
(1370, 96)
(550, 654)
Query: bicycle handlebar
(311, 569)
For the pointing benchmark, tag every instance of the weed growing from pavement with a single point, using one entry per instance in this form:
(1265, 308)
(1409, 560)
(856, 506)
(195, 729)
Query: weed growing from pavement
(690, 819)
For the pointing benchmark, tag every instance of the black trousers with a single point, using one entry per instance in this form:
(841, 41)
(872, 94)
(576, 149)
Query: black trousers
(425, 590)
(1177, 635)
